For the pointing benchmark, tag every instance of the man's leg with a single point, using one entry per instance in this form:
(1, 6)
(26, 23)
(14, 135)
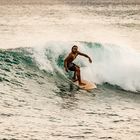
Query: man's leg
(73, 68)
(79, 76)
(74, 76)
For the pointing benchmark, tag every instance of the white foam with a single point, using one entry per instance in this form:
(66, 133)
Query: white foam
(113, 64)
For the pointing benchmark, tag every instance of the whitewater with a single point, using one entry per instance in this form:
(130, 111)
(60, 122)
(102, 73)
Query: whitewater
(37, 99)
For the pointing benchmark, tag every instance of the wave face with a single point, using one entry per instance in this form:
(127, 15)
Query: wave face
(112, 64)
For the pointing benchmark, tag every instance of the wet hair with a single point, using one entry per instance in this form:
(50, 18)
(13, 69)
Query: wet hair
(74, 46)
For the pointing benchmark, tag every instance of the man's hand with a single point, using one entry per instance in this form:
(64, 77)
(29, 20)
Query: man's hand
(90, 60)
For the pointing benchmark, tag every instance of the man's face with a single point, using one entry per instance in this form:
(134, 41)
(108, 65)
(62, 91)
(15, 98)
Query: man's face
(74, 49)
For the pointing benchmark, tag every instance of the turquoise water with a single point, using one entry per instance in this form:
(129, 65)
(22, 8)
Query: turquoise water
(37, 101)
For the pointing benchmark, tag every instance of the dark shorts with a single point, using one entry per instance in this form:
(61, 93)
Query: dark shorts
(72, 66)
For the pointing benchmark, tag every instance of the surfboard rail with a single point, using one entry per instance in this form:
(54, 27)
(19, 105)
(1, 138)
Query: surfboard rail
(88, 85)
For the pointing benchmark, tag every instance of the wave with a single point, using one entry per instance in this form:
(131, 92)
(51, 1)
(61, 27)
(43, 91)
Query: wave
(112, 64)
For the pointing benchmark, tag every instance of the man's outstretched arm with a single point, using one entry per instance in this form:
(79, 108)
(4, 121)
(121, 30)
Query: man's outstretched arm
(85, 55)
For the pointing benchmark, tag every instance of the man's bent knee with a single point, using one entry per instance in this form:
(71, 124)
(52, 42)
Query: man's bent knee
(78, 69)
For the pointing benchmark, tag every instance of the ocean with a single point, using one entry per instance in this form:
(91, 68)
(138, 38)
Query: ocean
(37, 99)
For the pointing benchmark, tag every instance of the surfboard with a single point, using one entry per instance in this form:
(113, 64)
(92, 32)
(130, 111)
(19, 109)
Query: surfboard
(88, 85)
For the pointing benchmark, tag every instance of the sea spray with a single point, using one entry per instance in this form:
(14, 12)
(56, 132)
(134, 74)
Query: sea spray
(116, 65)
(113, 64)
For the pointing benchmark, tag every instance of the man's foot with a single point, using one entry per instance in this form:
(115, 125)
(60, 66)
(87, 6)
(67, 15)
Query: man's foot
(82, 84)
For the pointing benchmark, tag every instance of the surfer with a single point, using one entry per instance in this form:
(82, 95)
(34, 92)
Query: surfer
(69, 65)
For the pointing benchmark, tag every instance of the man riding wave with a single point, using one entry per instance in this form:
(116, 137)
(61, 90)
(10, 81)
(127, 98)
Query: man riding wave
(69, 65)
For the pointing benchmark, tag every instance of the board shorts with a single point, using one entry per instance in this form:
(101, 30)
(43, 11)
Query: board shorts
(72, 66)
